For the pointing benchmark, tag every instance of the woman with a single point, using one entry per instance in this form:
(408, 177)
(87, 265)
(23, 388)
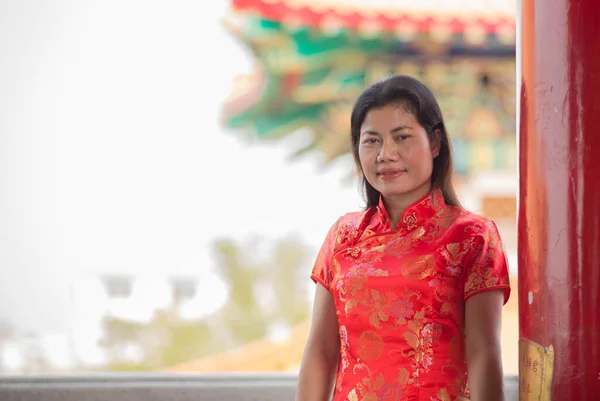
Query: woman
(410, 290)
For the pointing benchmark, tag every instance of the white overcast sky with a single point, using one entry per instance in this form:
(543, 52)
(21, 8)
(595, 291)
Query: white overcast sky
(112, 158)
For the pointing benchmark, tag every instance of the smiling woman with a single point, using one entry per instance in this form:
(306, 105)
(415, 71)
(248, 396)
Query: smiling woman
(396, 161)
(410, 290)
(398, 132)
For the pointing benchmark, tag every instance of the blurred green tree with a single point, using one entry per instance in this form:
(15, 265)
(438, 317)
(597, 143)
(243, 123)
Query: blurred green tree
(262, 293)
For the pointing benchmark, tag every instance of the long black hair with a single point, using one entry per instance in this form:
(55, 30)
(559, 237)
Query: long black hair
(419, 101)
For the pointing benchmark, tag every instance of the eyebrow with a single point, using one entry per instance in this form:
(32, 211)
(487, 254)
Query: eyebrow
(393, 131)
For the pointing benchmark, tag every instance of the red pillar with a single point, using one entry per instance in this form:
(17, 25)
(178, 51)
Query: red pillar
(559, 209)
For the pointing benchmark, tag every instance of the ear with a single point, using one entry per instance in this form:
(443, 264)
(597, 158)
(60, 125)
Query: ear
(436, 143)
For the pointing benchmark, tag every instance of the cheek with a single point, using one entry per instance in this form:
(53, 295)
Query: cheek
(423, 163)
(421, 157)
(365, 159)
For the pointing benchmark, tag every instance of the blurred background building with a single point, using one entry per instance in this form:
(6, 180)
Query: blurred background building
(314, 57)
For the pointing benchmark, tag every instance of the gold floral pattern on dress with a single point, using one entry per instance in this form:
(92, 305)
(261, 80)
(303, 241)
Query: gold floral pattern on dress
(410, 221)
(454, 254)
(344, 360)
(358, 298)
(399, 248)
(353, 252)
(420, 337)
(487, 250)
(458, 386)
(371, 304)
(370, 345)
(448, 298)
(419, 267)
(400, 297)
(373, 387)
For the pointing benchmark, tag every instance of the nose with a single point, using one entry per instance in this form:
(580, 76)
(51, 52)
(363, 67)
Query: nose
(388, 152)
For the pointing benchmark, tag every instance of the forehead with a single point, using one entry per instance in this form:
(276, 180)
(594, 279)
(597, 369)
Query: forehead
(388, 117)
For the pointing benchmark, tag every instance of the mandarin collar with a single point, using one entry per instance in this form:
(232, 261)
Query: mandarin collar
(426, 207)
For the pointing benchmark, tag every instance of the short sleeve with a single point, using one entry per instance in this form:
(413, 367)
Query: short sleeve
(486, 267)
(322, 269)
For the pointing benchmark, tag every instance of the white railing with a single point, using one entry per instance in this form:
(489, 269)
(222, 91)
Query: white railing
(171, 387)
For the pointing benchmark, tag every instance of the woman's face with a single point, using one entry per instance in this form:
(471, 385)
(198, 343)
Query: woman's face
(395, 152)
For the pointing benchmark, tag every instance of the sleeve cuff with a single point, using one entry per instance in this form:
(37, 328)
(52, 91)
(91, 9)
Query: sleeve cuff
(504, 287)
(319, 280)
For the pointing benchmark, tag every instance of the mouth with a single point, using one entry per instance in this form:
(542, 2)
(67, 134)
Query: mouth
(389, 174)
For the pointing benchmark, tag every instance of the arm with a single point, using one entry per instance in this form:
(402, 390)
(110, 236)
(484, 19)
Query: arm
(321, 354)
(483, 315)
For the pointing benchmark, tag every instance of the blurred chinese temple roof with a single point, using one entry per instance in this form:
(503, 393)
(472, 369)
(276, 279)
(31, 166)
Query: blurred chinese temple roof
(390, 15)
(314, 57)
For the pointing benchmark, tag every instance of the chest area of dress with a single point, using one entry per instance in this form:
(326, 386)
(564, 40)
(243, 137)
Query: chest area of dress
(382, 270)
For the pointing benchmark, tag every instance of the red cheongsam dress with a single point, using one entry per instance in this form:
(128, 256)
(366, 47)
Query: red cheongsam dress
(400, 297)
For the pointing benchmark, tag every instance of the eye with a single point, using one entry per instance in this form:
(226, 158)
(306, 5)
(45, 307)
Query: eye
(402, 137)
(370, 141)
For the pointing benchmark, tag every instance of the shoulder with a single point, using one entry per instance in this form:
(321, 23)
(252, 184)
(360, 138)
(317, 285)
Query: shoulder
(352, 219)
(469, 225)
(346, 229)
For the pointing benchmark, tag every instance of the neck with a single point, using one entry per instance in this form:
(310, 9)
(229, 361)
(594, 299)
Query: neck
(396, 205)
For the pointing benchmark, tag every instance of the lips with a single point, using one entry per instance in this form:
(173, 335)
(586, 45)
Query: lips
(387, 174)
